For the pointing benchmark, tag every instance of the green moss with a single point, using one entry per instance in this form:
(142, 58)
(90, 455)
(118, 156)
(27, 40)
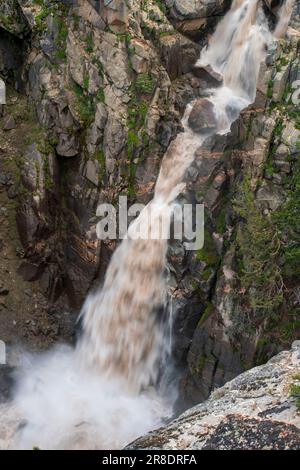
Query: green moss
(270, 89)
(100, 95)
(41, 17)
(295, 393)
(86, 82)
(221, 220)
(100, 157)
(207, 312)
(287, 219)
(85, 105)
(161, 5)
(201, 363)
(89, 43)
(289, 328)
(208, 254)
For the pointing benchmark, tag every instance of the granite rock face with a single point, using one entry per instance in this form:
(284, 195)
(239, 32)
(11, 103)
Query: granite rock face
(256, 410)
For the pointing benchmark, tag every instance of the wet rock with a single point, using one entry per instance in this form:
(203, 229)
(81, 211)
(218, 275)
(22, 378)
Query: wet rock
(208, 74)
(202, 117)
(178, 54)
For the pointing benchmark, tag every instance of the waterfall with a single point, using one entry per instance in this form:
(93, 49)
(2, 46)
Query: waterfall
(102, 394)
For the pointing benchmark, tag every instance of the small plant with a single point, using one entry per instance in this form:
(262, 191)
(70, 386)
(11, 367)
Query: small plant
(144, 84)
(89, 41)
(85, 105)
(295, 393)
(270, 89)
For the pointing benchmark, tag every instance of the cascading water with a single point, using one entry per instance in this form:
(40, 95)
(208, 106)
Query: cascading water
(101, 394)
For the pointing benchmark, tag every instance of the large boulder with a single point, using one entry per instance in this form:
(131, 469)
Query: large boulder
(202, 117)
(256, 410)
(191, 16)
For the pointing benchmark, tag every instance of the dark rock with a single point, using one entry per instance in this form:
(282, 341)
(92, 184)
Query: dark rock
(12, 192)
(240, 433)
(202, 117)
(178, 54)
(4, 291)
(9, 123)
(208, 75)
(28, 225)
(6, 383)
(30, 272)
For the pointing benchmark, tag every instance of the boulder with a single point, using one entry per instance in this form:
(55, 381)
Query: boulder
(208, 74)
(253, 411)
(191, 16)
(67, 145)
(202, 117)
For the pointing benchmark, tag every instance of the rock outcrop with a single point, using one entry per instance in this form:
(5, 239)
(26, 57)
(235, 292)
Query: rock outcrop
(257, 410)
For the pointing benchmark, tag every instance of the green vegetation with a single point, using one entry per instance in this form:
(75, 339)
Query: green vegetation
(144, 84)
(7, 22)
(270, 89)
(295, 393)
(89, 41)
(258, 244)
(208, 254)
(205, 315)
(61, 38)
(100, 157)
(100, 95)
(85, 105)
(287, 219)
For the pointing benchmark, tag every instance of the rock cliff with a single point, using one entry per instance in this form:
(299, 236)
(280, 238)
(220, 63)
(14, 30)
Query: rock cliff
(96, 91)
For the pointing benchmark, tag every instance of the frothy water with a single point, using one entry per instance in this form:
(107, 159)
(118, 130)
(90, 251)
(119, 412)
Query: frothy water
(105, 392)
